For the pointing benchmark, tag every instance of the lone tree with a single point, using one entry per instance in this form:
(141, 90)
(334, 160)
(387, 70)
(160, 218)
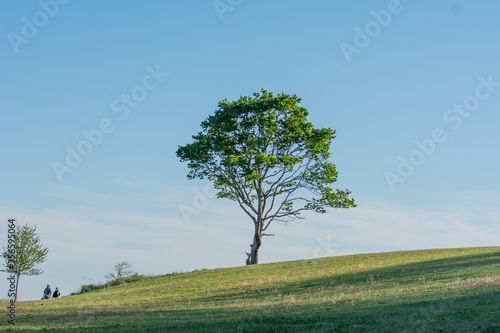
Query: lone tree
(28, 252)
(263, 153)
(122, 269)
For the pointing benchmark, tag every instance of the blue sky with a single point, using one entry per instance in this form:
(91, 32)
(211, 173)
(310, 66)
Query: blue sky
(411, 87)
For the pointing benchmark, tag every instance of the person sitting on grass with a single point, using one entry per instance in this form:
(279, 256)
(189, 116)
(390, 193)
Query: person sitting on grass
(56, 293)
(47, 292)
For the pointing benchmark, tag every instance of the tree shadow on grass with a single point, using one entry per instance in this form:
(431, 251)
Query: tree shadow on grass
(251, 311)
(405, 275)
(477, 313)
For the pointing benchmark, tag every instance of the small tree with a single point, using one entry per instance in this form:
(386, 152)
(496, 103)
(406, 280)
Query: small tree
(122, 269)
(28, 252)
(263, 153)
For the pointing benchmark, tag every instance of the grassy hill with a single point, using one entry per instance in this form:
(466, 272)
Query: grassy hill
(451, 290)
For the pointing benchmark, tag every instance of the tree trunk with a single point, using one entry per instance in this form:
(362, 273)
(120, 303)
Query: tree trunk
(253, 256)
(17, 287)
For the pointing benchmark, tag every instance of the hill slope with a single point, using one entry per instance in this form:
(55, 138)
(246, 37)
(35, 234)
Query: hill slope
(451, 290)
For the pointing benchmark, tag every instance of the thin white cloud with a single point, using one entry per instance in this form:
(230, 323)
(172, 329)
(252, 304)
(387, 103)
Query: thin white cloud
(86, 241)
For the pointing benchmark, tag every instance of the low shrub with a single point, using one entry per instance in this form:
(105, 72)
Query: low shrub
(116, 282)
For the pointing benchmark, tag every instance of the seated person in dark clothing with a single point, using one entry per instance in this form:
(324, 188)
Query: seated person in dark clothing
(47, 292)
(56, 293)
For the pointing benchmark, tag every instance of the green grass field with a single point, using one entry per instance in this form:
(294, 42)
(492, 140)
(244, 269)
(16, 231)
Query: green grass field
(452, 290)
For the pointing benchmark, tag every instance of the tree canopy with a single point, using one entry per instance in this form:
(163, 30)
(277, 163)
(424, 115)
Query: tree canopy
(27, 253)
(262, 152)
